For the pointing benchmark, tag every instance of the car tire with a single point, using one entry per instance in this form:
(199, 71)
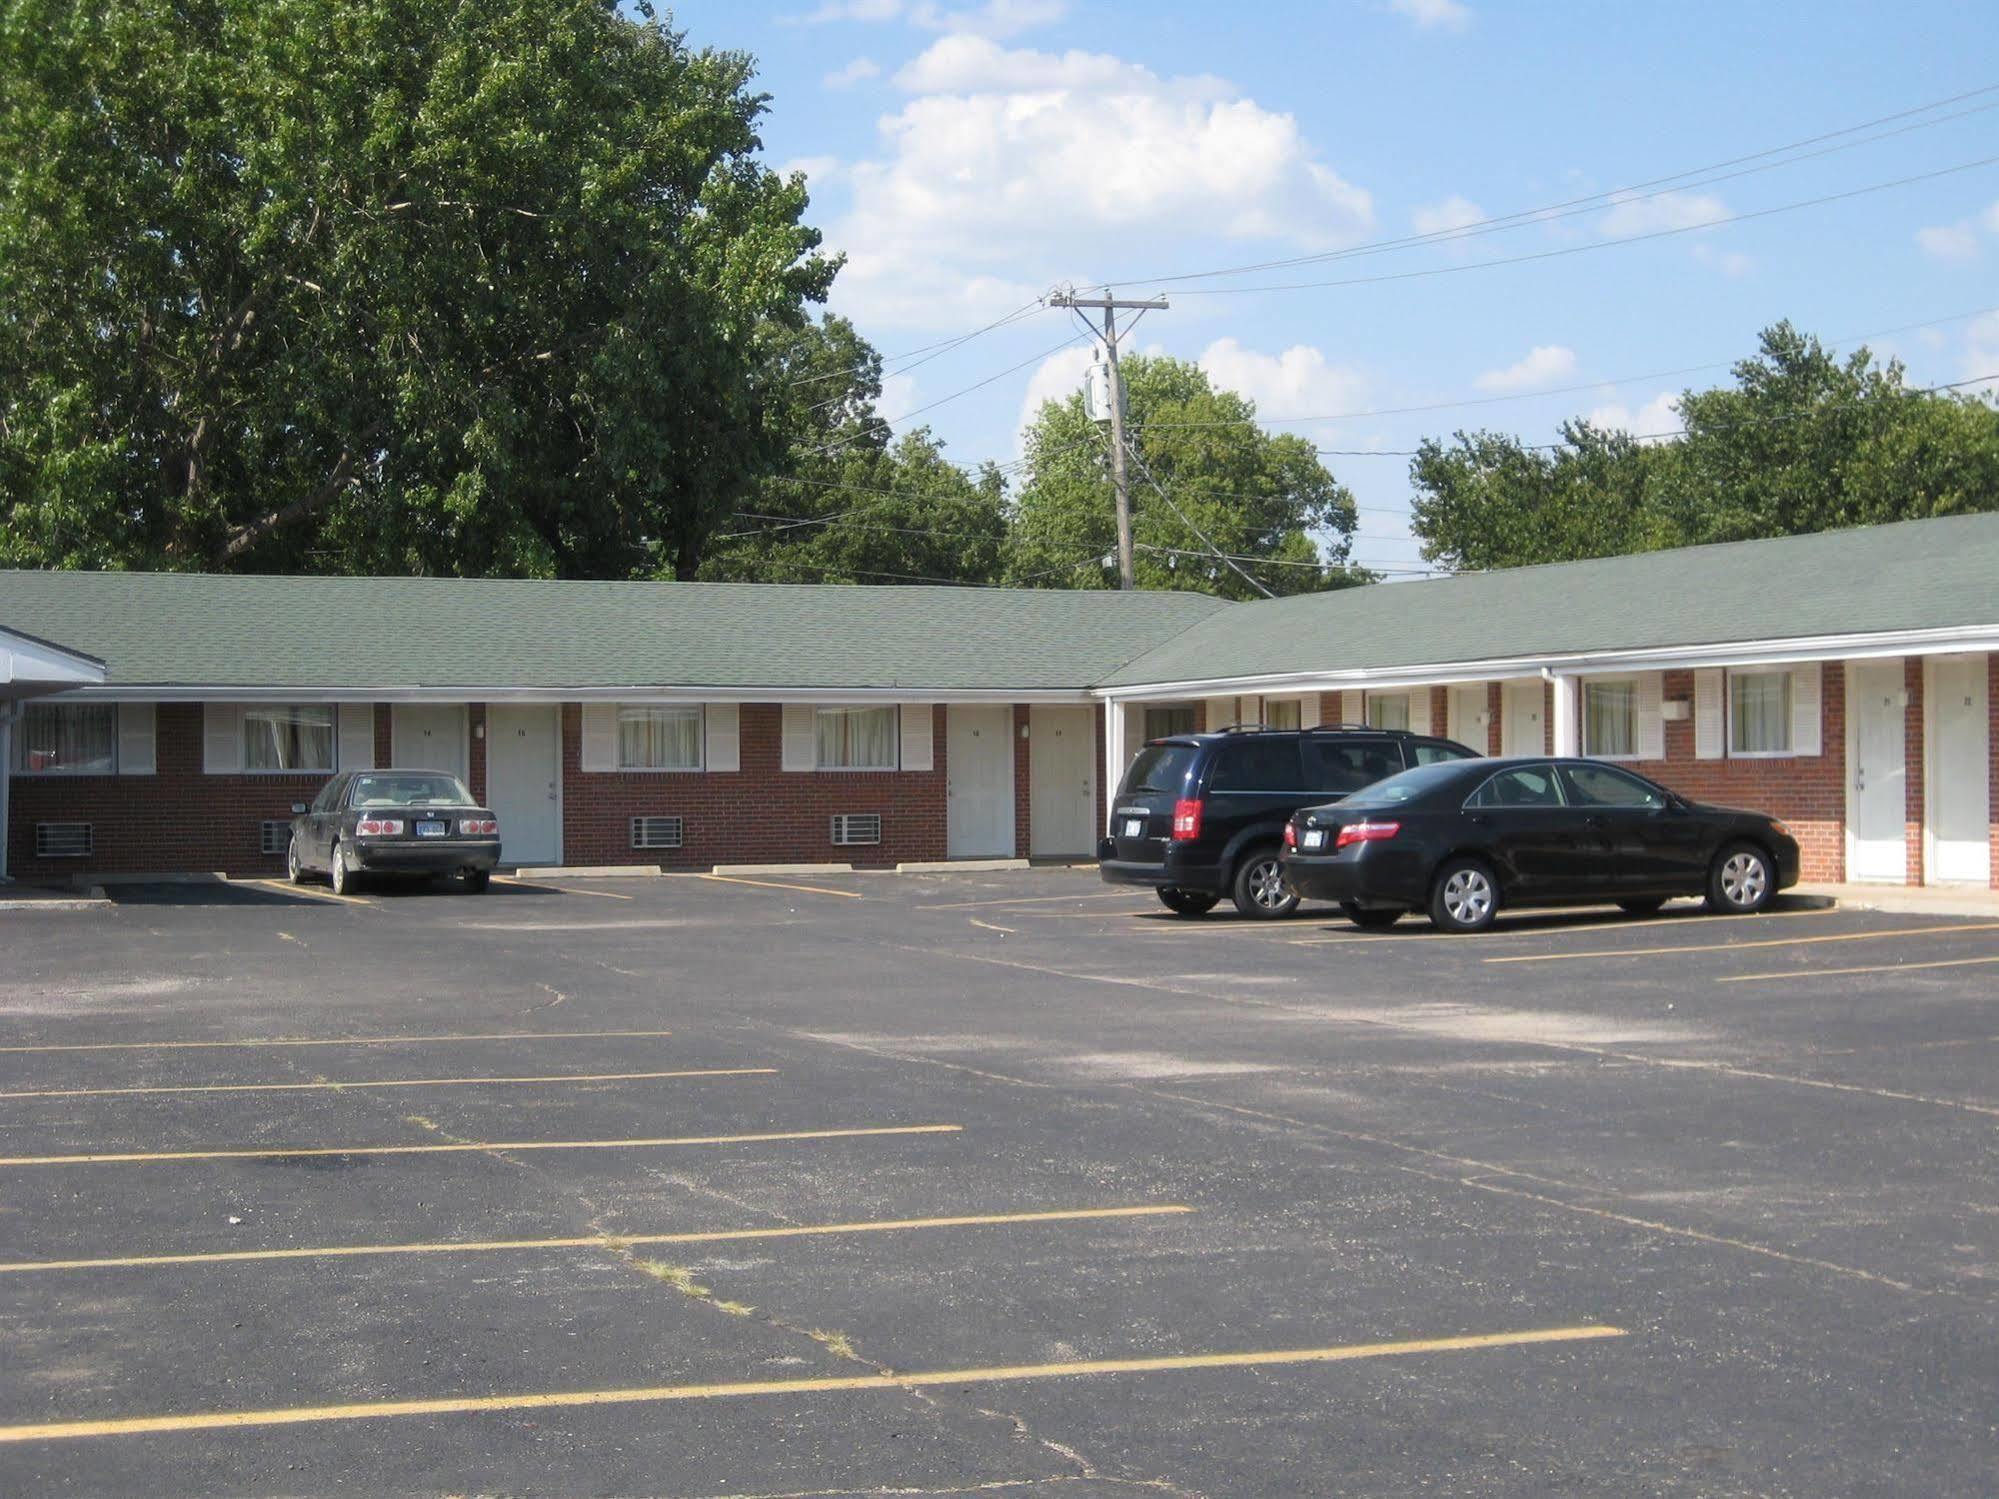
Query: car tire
(1646, 907)
(1187, 902)
(1740, 882)
(476, 881)
(1465, 897)
(294, 869)
(1258, 888)
(1371, 918)
(338, 874)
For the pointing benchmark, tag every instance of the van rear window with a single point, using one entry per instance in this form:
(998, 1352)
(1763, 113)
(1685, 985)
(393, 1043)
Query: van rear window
(1159, 767)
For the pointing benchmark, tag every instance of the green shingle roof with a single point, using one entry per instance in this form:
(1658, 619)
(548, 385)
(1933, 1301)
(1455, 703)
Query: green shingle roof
(184, 629)
(1912, 575)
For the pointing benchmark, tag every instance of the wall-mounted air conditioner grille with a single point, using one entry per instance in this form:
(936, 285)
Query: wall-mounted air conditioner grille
(274, 837)
(656, 832)
(856, 827)
(64, 840)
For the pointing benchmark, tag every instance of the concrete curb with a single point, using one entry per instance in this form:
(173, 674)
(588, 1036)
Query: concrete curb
(1914, 900)
(92, 900)
(587, 872)
(782, 869)
(959, 866)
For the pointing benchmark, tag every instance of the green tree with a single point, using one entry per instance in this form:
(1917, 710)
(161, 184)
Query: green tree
(384, 284)
(1259, 497)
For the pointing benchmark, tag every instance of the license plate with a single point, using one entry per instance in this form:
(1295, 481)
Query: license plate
(432, 829)
(1134, 827)
(1316, 838)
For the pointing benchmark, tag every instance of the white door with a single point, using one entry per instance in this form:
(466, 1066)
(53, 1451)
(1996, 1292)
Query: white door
(523, 781)
(1958, 774)
(1062, 782)
(978, 782)
(1467, 717)
(1876, 772)
(1522, 724)
(428, 736)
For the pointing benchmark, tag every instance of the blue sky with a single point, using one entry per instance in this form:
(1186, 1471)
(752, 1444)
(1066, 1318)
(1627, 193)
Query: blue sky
(969, 154)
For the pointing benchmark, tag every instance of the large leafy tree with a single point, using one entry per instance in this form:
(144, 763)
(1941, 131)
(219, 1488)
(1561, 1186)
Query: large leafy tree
(1802, 441)
(384, 284)
(1200, 464)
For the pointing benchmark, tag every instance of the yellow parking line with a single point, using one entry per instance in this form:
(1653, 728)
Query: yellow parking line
(598, 1241)
(1539, 928)
(1823, 973)
(306, 891)
(736, 879)
(334, 1041)
(153, 1156)
(49, 1431)
(1026, 900)
(507, 879)
(398, 1082)
(1647, 952)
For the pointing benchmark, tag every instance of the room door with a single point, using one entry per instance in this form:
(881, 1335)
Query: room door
(1466, 719)
(429, 736)
(1876, 772)
(1062, 782)
(524, 781)
(1523, 728)
(978, 781)
(1958, 771)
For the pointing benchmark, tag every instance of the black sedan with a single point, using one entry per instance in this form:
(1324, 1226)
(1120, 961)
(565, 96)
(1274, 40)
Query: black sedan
(1462, 838)
(410, 822)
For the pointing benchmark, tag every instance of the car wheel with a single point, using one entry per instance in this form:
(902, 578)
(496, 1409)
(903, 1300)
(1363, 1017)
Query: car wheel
(476, 881)
(1640, 907)
(1259, 890)
(1465, 897)
(1371, 918)
(341, 877)
(1739, 882)
(294, 871)
(1187, 902)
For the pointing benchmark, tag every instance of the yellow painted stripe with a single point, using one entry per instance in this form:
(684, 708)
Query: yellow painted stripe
(596, 1241)
(306, 892)
(1036, 900)
(397, 1082)
(150, 1156)
(1823, 973)
(1532, 926)
(50, 1431)
(507, 879)
(736, 879)
(1647, 952)
(337, 1041)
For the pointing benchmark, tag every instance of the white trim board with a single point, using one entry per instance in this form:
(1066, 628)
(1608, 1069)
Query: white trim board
(853, 696)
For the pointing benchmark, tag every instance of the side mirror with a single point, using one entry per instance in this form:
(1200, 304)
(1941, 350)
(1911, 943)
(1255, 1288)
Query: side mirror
(297, 807)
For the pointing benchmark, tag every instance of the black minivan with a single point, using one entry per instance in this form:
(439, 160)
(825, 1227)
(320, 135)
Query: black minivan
(1200, 816)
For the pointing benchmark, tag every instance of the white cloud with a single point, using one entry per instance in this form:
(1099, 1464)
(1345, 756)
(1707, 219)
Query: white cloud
(1297, 382)
(852, 10)
(1453, 213)
(1056, 378)
(1648, 215)
(1659, 415)
(1544, 364)
(818, 170)
(1957, 241)
(1010, 169)
(1728, 262)
(1981, 347)
(898, 395)
(996, 18)
(857, 71)
(1431, 15)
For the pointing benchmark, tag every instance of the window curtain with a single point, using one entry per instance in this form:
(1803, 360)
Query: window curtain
(1173, 719)
(1611, 716)
(1760, 712)
(288, 736)
(1390, 711)
(659, 738)
(1281, 713)
(857, 738)
(67, 739)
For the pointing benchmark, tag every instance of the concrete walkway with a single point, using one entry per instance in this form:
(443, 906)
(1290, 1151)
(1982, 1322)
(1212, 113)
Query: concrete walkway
(1935, 900)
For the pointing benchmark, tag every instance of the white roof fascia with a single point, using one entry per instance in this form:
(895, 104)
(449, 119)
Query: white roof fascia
(860, 696)
(28, 662)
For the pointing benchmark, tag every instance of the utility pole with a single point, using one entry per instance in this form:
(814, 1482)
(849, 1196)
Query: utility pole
(1111, 306)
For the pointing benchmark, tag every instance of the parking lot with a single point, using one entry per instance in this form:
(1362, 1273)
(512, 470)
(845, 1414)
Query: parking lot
(1002, 1182)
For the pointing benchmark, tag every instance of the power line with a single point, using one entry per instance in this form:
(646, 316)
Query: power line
(941, 346)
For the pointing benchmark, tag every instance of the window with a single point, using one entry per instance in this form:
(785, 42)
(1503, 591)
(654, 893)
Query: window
(288, 736)
(1283, 713)
(1436, 752)
(1389, 711)
(1759, 713)
(1258, 765)
(1161, 767)
(1163, 720)
(329, 796)
(1526, 786)
(67, 739)
(659, 738)
(1342, 766)
(857, 738)
(1610, 719)
(1600, 786)
(410, 789)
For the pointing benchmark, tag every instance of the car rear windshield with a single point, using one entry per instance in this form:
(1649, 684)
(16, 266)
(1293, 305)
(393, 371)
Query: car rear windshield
(428, 789)
(1159, 767)
(1407, 786)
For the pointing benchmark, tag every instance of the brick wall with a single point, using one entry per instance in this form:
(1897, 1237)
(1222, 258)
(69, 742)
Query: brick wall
(1992, 755)
(1021, 826)
(1913, 757)
(1495, 704)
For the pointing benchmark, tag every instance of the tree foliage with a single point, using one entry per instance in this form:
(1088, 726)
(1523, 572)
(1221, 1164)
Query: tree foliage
(1802, 441)
(1257, 496)
(389, 285)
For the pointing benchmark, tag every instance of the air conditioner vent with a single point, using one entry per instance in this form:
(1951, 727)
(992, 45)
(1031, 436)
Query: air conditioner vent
(274, 837)
(656, 832)
(851, 828)
(64, 840)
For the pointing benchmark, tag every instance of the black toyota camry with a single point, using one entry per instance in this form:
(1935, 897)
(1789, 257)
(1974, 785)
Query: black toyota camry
(1462, 838)
(409, 822)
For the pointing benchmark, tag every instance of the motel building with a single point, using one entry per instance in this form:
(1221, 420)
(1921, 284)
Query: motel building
(1845, 682)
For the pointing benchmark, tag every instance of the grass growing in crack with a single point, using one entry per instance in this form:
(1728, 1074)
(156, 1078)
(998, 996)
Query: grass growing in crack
(682, 1280)
(834, 1343)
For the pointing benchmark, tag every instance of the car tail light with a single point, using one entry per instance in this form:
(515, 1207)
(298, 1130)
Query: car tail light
(1290, 835)
(1186, 819)
(1366, 832)
(479, 827)
(379, 827)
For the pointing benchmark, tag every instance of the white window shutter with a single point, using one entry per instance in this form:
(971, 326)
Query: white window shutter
(1651, 721)
(357, 736)
(722, 737)
(222, 738)
(1419, 711)
(1805, 716)
(600, 737)
(801, 737)
(1353, 707)
(136, 753)
(1221, 713)
(1308, 711)
(918, 751)
(1709, 720)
